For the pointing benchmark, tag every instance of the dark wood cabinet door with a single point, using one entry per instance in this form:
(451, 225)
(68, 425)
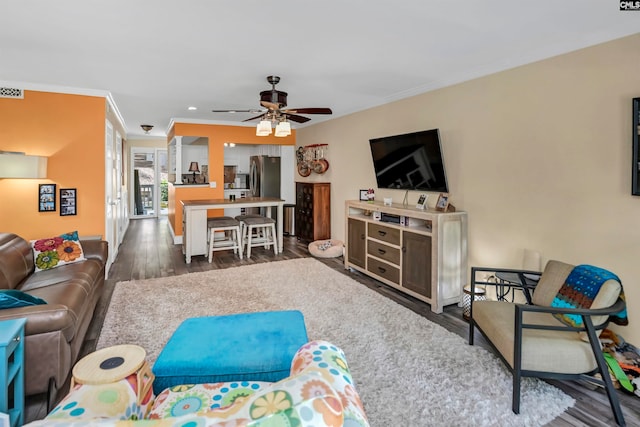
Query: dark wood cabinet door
(304, 211)
(313, 211)
(357, 242)
(416, 263)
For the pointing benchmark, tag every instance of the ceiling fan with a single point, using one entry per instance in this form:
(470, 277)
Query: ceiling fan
(274, 101)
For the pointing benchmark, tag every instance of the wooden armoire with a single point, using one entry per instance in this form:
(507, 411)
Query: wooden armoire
(313, 210)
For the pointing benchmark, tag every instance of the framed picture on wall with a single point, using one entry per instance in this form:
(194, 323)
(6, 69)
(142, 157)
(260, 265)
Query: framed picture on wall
(46, 198)
(68, 201)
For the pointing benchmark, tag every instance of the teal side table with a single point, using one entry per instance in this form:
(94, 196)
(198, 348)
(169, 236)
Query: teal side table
(11, 370)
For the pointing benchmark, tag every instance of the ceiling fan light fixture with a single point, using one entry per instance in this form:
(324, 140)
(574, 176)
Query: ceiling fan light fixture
(264, 128)
(283, 129)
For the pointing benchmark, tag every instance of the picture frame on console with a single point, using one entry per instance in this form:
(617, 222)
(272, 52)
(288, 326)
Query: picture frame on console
(443, 202)
(422, 202)
(364, 196)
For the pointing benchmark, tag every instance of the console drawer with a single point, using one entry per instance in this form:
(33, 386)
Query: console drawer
(386, 234)
(384, 270)
(383, 251)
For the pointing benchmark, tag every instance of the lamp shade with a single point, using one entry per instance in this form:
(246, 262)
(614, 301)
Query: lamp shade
(193, 167)
(283, 129)
(264, 128)
(19, 165)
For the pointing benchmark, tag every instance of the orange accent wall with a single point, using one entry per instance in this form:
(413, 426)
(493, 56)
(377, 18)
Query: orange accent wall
(70, 131)
(218, 135)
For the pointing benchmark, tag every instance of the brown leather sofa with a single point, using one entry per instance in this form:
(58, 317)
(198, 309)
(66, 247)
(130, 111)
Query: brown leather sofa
(54, 331)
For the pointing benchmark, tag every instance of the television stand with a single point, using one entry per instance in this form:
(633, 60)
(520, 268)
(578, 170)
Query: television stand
(423, 255)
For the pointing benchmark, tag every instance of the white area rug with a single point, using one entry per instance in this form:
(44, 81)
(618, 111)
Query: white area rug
(408, 370)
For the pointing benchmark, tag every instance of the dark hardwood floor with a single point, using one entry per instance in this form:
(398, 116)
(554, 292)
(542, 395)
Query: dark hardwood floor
(148, 252)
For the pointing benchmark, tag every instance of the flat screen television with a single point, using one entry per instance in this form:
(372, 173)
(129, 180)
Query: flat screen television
(412, 161)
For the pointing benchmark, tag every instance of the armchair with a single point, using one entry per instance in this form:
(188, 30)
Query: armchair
(533, 342)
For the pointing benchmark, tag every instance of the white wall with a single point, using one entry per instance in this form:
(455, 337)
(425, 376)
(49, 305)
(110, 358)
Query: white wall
(287, 174)
(539, 156)
(194, 153)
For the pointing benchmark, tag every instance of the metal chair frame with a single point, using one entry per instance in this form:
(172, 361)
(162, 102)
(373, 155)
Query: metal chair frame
(586, 314)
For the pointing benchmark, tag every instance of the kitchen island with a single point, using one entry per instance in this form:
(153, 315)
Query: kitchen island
(194, 220)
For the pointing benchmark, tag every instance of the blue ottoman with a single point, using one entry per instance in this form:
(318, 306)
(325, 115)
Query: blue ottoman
(237, 347)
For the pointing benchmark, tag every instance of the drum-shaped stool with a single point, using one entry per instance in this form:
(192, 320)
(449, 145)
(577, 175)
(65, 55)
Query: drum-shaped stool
(114, 383)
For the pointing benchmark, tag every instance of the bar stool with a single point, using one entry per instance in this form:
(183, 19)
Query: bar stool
(233, 240)
(241, 218)
(259, 231)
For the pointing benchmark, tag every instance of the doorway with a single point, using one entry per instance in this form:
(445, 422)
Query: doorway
(149, 182)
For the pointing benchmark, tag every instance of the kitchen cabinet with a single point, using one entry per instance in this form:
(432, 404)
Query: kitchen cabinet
(239, 156)
(420, 252)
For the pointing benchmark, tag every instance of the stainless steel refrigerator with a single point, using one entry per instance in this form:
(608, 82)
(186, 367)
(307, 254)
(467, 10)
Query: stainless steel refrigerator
(264, 179)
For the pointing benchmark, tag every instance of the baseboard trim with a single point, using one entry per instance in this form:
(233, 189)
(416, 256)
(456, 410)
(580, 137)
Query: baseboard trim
(177, 240)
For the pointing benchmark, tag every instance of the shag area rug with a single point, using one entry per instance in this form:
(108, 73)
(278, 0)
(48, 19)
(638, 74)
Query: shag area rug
(408, 370)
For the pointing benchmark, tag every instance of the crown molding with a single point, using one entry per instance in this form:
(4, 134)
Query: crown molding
(67, 90)
(39, 87)
(116, 111)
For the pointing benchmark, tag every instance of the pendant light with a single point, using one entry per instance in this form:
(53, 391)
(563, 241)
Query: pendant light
(264, 128)
(283, 129)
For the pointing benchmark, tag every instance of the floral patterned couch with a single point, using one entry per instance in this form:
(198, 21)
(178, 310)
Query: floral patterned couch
(319, 392)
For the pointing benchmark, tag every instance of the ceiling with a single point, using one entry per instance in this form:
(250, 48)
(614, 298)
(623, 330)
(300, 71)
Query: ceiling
(158, 57)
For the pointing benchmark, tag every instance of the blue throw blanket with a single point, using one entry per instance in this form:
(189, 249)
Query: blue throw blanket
(579, 291)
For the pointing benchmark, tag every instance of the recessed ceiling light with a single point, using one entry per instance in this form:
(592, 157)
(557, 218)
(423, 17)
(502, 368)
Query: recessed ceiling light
(192, 108)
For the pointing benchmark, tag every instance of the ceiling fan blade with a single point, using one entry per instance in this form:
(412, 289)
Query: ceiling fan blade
(253, 118)
(254, 111)
(269, 105)
(275, 101)
(297, 119)
(308, 111)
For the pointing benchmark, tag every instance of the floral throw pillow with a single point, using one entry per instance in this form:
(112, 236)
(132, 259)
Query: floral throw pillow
(56, 251)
